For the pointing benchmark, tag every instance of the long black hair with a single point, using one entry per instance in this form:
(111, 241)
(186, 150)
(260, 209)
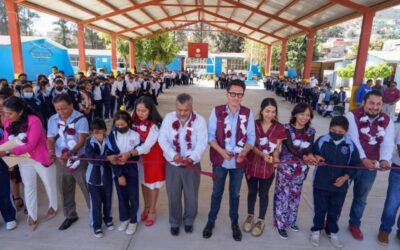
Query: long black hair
(265, 103)
(154, 115)
(16, 104)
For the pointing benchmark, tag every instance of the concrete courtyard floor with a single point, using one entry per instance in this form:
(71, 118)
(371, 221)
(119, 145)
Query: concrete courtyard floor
(80, 235)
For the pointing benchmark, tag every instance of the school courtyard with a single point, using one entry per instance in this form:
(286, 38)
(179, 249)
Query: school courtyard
(80, 235)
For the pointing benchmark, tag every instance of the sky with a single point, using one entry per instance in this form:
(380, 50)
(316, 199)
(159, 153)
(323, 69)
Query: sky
(44, 23)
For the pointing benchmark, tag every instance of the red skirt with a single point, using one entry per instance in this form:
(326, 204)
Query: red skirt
(154, 165)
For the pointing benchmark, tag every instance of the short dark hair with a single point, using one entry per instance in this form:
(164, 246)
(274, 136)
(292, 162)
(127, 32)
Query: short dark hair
(54, 67)
(374, 92)
(123, 115)
(340, 121)
(59, 81)
(184, 97)
(238, 83)
(25, 86)
(300, 108)
(64, 97)
(98, 124)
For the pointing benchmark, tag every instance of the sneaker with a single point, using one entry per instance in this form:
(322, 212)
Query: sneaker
(295, 228)
(383, 238)
(282, 233)
(123, 226)
(334, 238)
(11, 225)
(98, 233)
(131, 229)
(248, 223)
(110, 226)
(356, 232)
(315, 238)
(258, 228)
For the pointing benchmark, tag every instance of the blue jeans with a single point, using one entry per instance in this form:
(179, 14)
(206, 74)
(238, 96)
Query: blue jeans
(235, 182)
(392, 204)
(363, 181)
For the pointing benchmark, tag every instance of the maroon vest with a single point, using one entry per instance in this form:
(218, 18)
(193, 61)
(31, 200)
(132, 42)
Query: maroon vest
(371, 151)
(215, 157)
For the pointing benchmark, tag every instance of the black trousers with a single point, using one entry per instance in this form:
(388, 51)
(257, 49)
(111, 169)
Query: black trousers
(327, 204)
(100, 204)
(260, 187)
(131, 101)
(128, 198)
(98, 112)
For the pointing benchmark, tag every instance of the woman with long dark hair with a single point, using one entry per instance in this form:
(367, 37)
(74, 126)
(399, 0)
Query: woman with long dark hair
(260, 170)
(24, 126)
(297, 150)
(146, 122)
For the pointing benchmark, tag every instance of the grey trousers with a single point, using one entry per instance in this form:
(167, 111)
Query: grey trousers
(180, 180)
(67, 184)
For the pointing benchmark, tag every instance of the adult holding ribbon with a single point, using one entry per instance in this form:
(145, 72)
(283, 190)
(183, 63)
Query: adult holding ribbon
(372, 131)
(231, 135)
(66, 135)
(24, 134)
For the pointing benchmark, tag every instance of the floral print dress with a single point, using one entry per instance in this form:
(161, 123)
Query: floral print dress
(291, 175)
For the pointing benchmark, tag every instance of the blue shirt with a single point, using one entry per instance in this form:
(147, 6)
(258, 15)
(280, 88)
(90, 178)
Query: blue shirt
(81, 127)
(361, 92)
(233, 119)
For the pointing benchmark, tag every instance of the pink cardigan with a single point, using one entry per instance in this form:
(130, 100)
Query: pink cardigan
(36, 141)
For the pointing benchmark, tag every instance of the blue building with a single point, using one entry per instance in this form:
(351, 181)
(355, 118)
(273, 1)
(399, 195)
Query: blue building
(39, 55)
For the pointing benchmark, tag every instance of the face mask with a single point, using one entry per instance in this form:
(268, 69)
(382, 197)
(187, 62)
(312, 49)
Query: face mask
(123, 130)
(28, 95)
(59, 88)
(18, 88)
(336, 136)
(71, 86)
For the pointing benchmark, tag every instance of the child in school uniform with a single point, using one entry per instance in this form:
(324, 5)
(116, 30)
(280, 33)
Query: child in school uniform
(331, 183)
(122, 141)
(99, 178)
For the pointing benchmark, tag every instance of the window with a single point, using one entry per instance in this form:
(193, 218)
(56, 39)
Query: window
(236, 64)
(74, 60)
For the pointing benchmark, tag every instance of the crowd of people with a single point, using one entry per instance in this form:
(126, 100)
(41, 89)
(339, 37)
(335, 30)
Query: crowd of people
(72, 146)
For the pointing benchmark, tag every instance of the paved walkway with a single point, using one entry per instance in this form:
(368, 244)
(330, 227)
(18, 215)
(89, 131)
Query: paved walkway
(80, 236)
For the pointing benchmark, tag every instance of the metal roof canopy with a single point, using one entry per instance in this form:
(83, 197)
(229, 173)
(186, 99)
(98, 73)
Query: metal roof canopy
(264, 21)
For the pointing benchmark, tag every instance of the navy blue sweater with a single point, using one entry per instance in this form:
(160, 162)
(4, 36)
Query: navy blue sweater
(345, 153)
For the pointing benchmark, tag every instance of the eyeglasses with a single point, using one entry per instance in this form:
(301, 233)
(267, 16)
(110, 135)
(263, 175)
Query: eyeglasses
(234, 94)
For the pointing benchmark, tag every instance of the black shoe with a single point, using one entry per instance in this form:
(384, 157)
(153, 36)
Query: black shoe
(295, 228)
(207, 232)
(67, 223)
(236, 233)
(188, 229)
(282, 233)
(174, 231)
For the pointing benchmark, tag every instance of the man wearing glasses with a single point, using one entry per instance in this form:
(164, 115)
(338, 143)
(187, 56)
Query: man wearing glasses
(231, 135)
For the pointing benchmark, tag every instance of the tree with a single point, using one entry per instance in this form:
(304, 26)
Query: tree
(347, 72)
(63, 32)
(181, 39)
(160, 49)
(331, 32)
(276, 55)
(296, 52)
(376, 45)
(255, 52)
(92, 40)
(26, 18)
(382, 70)
(226, 42)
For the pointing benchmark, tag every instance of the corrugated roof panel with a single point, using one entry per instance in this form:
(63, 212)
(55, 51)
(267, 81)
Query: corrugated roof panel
(245, 30)
(92, 5)
(273, 6)
(172, 10)
(155, 12)
(154, 27)
(332, 13)
(257, 35)
(368, 2)
(186, 1)
(124, 21)
(225, 11)
(251, 3)
(63, 8)
(210, 2)
(142, 31)
(139, 16)
(269, 40)
(272, 25)
(192, 16)
(256, 20)
(107, 25)
(233, 26)
(241, 15)
(121, 4)
(170, 24)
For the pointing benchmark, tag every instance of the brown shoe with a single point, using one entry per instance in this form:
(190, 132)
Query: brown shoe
(383, 238)
(248, 223)
(258, 228)
(51, 213)
(32, 224)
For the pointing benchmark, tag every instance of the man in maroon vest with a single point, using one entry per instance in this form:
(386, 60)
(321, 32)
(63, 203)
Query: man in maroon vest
(372, 131)
(231, 134)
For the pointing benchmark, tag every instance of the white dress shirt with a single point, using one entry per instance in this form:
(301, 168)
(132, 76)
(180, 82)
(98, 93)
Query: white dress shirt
(199, 138)
(387, 145)
(128, 141)
(151, 139)
(117, 85)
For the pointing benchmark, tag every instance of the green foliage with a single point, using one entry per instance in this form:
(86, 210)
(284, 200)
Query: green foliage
(276, 55)
(347, 72)
(296, 52)
(227, 42)
(181, 39)
(26, 18)
(254, 50)
(331, 32)
(379, 71)
(63, 32)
